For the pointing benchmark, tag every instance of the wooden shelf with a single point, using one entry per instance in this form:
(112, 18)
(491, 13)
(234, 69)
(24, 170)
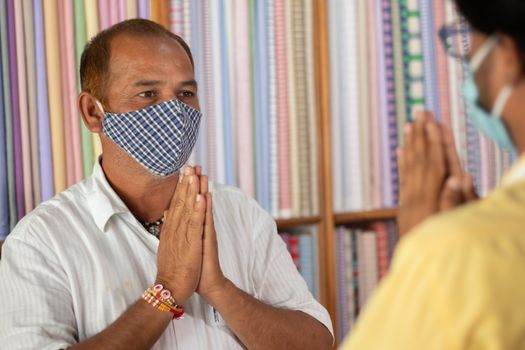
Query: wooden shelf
(288, 223)
(365, 216)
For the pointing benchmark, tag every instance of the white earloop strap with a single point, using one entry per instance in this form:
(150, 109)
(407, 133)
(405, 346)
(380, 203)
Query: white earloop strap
(502, 100)
(483, 52)
(100, 106)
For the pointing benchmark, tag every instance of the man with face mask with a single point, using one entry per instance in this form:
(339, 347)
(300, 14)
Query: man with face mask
(136, 257)
(456, 278)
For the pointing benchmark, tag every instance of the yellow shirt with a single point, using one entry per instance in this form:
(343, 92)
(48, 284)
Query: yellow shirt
(456, 282)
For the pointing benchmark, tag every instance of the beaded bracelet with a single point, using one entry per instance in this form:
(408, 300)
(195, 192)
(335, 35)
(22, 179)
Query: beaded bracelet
(161, 299)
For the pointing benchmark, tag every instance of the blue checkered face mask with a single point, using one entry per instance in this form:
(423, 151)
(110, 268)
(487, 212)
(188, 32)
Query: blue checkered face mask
(160, 137)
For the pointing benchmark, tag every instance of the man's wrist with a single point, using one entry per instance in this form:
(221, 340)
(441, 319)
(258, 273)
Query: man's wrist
(178, 294)
(160, 297)
(220, 294)
(154, 312)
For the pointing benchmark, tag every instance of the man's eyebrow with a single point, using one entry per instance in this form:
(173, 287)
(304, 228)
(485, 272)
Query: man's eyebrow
(142, 83)
(147, 83)
(191, 82)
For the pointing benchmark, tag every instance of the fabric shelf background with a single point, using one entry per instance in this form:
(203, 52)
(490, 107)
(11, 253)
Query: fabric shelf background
(301, 242)
(386, 62)
(363, 256)
(254, 66)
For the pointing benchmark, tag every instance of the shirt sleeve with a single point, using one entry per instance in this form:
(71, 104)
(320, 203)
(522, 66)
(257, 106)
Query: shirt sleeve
(35, 302)
(446, 290)
(276, 279)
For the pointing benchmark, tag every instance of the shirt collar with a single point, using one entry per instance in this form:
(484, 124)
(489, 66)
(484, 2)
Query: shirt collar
(102, 200)
(515, 174)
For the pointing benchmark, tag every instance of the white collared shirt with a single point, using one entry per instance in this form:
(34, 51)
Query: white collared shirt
(78, 261)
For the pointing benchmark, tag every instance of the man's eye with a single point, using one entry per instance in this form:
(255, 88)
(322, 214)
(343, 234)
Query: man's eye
(186, 94)
(147, 94)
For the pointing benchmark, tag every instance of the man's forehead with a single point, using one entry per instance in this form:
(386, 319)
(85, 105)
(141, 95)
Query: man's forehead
(136, 52)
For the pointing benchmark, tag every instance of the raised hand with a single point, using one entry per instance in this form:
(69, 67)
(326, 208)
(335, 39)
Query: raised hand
(179, 257)
(212, 279)
(422, 172)
(431, 177)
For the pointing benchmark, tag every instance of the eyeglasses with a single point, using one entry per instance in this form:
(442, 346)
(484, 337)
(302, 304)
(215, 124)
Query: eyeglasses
(456, 39)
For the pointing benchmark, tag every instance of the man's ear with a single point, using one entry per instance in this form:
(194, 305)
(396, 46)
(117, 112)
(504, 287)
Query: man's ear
(91, 112)
(512, 58)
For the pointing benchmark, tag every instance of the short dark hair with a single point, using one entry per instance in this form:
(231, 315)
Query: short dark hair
(501, 16)
(94, 62)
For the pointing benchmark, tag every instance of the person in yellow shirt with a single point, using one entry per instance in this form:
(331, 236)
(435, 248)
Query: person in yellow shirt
(456, 281)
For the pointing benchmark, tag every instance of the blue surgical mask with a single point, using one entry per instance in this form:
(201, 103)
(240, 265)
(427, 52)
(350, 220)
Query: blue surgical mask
(490, 124)
(160, 137)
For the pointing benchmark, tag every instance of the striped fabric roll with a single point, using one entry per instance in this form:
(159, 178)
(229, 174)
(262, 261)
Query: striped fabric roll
(262, 102)
(285, 200)
(390, 100)
(176, 17)
(365, 154)
(15, 103)
(92, 27)
(302, 123)
(312, 113)
(80, 42)
(44, 134)
(103, 14)
(131, 9)
(428, 34)
(8, 113)
(209, 92)
(29, 41)
(244, 99)
(55, 94)
(374, 102)
(412, 56)
(228, 93)
(22, 41)
(273, 109)
(441, 65)
(64, 88)
(383, 167)
(4, 184)
(337, 90)
(292, 111)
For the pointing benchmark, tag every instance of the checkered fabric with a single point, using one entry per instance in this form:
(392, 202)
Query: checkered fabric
(160, 137)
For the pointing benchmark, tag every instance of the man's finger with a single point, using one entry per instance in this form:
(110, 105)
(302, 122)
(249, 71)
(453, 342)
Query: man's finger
(194, 227)
(210, 237)
(400, 165)
(178, 200)
(408, 145)
(453, 162)
(451, 196)
(419, 141)
(436, 153)
(468, 189)
(204, 184)
(191, 198)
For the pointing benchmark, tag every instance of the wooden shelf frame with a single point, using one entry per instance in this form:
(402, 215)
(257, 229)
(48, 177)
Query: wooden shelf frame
(294, 222)
(326, 239)
(365, 216)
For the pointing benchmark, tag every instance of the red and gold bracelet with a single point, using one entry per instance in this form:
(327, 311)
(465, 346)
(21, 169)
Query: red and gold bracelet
(161, 299)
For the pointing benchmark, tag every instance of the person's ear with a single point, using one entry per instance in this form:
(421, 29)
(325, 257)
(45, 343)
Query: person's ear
(91, 113)
(512, 59)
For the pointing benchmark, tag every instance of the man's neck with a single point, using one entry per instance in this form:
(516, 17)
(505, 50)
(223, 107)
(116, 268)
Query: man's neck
(146, 196)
